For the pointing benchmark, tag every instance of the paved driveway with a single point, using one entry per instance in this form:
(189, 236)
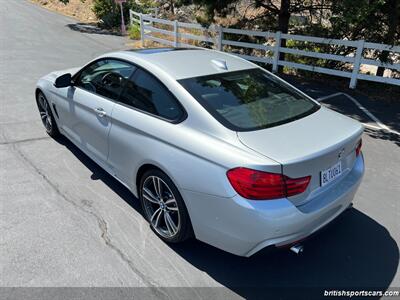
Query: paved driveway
(65, 222)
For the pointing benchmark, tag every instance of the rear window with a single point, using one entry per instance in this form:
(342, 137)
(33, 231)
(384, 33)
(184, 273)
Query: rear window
(249, 99)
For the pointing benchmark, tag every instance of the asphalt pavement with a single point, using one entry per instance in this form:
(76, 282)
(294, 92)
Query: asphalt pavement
(65, 223)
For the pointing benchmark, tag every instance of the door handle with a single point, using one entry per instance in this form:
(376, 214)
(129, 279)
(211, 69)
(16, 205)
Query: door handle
(100, 112)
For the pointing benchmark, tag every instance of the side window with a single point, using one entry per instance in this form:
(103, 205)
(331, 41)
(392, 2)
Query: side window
(146, 93)
(105, 77)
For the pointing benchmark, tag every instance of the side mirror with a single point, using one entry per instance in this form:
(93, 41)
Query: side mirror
(63, 81)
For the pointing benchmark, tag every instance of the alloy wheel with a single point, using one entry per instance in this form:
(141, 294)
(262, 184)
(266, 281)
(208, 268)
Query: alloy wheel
(45, 112)
(161, 207)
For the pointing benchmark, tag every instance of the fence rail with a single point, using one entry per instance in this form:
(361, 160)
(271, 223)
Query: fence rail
(215, 36)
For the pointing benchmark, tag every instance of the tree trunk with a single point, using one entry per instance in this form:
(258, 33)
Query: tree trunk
(283, 25)
(393, 22)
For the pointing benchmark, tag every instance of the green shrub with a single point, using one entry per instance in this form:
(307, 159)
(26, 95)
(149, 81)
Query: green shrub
(134, 31)
(108, 12)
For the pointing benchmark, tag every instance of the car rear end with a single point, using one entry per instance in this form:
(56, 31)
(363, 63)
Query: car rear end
(322, 167)
(318, 149)
(245, 226)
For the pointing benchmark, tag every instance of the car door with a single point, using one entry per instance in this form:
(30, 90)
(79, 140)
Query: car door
(145, 109)
(88, 108)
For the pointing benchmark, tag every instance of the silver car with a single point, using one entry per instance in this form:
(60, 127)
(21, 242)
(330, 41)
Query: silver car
(215, 147)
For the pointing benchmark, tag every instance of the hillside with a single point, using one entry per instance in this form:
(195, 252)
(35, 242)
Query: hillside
(75, 8)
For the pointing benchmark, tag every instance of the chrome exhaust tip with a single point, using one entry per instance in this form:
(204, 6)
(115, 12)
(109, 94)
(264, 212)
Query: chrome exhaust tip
(298, 248)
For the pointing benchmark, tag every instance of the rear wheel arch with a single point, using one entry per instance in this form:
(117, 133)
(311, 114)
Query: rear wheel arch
(150, 166)
(139, 174)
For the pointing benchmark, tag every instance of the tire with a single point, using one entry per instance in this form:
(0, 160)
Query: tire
(46, 115)
(170, 208)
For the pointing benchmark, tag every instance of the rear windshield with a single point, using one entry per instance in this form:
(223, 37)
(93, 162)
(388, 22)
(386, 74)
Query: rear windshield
(249, 99)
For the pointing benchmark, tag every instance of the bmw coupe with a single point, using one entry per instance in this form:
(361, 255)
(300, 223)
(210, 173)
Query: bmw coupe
(214, 146)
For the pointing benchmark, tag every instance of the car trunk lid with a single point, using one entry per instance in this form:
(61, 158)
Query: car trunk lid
(308, 146)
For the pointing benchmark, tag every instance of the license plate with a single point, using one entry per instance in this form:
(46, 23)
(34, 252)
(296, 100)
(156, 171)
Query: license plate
(331, 174)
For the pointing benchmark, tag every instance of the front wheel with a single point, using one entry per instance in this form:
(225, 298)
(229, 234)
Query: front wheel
(46, 115)
(164, 208)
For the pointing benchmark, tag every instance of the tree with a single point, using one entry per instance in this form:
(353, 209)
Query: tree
(393, 11)
(277, 12)
(371, 20)
(272, 16)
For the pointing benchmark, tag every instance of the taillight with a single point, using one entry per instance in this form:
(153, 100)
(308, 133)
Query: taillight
(258, 185)
(358, 148)
(296, 186)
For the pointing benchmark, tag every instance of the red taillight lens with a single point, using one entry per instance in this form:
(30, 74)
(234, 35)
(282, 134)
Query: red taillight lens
(296, 186)
(358, 148)
(258, 185)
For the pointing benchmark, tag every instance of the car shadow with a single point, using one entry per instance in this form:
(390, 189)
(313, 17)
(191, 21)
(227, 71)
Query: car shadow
(100, 174)
(91, 28)
(388, 112)
(349, 109)
(353, 252)
(383, 135)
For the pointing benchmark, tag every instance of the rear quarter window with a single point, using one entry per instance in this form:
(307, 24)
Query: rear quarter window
(145, 92)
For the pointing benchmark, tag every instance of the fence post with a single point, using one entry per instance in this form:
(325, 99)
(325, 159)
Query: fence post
(141, 29)
(130, 17)
(176, 42)
(276, 51)
(220, 38)
(356, 64)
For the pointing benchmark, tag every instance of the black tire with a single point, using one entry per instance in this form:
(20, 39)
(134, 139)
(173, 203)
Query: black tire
(185, 227)
(46, 115)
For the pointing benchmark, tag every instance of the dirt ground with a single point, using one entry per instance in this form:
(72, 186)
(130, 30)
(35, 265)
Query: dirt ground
(78, 9)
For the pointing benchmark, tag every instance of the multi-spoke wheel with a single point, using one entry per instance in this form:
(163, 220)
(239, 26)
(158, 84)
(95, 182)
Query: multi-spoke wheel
(46, 115)
(163, 207)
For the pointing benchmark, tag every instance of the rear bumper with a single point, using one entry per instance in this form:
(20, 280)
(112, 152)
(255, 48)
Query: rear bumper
(244, 227)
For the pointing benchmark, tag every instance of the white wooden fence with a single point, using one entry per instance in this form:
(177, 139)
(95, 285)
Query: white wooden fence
(214, 36)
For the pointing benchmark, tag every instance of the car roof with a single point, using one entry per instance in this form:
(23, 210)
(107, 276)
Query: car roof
(182, 63)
